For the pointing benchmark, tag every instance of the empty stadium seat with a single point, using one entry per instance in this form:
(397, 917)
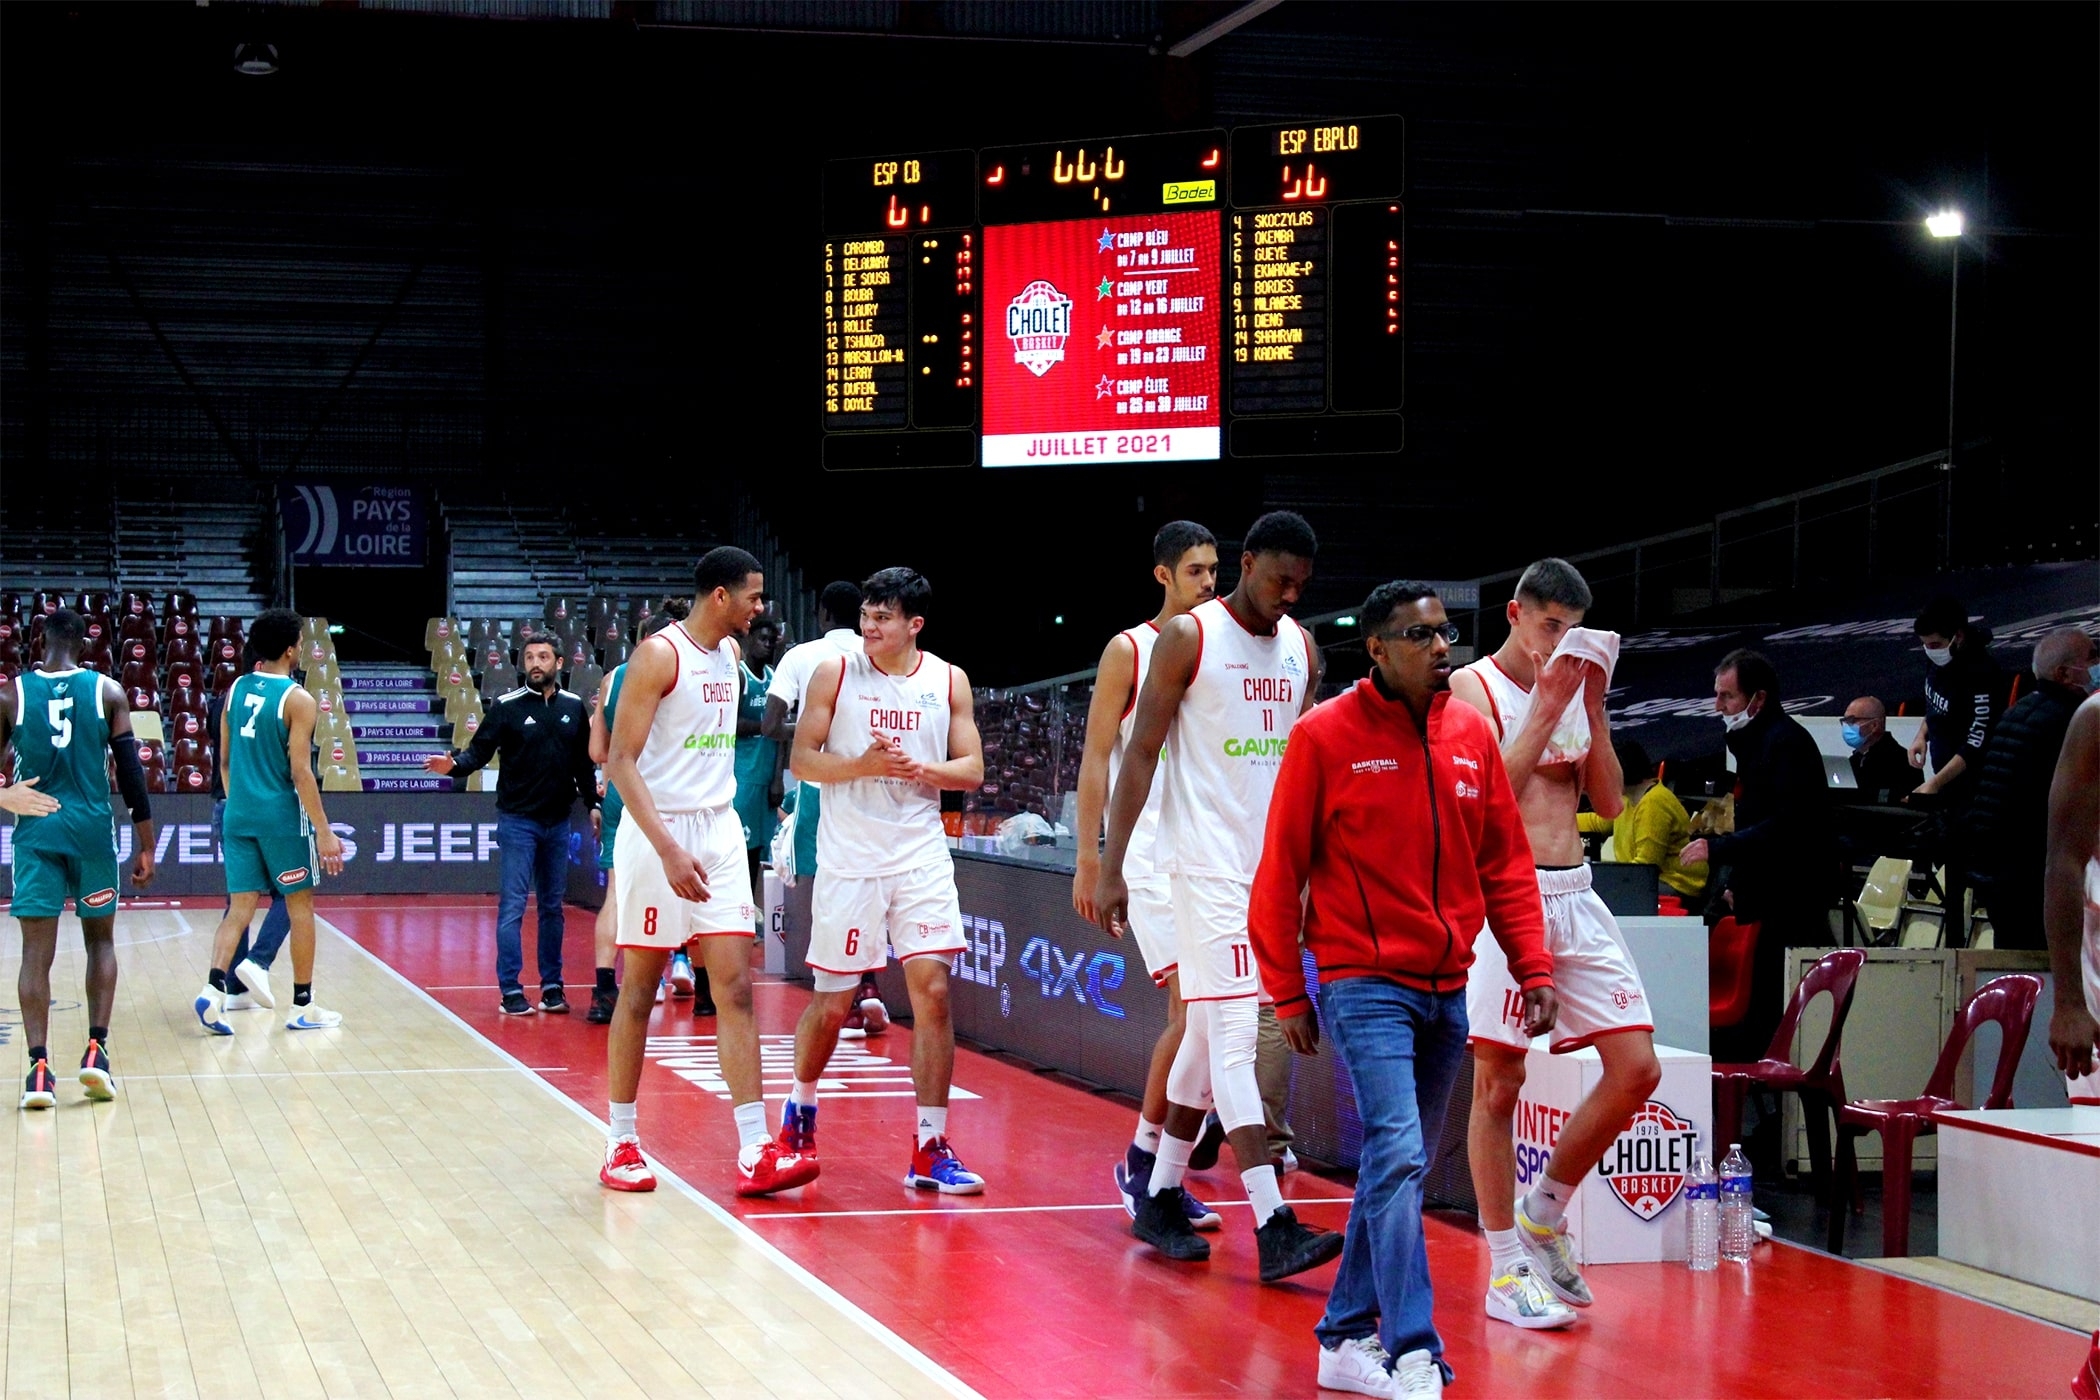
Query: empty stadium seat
(138, 675)
(131, 627)
(185, 751)
(192, 779)
(312, 652)
(184, 675)
(440, 629)
(480, 632)
(182, 627)
(186, 700)
(46, 603)
(132, 603)
(142, 696)
(137, 651)
(223, 676)
(498, 680)
(226, 651)
(600, 609)
(616, 652)
(223, 626)
(579, 652)
(181, 651)
(94, 601)
(180, 603)
(491, 654)
(584, 679)
(524, 630)
(559, 609)
(154, 766)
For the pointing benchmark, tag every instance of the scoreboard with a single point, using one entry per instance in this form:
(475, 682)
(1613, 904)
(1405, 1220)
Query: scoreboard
(1186, 296)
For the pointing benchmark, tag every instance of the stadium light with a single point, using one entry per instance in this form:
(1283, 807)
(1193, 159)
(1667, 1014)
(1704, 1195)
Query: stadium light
(1948, 223)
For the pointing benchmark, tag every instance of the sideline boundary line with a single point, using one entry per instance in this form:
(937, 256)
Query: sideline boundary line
(1020, 1210)
(853, 1312)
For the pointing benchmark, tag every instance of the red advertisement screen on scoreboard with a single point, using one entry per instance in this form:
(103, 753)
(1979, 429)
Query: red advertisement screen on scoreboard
(1100, 340)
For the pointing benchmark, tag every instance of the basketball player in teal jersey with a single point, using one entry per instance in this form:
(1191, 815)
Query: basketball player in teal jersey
(275, 831)
(66, 724)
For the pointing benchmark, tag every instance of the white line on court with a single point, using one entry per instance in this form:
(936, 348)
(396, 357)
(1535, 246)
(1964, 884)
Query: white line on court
(963, 1213)
(910, 1354)
(357, 1073)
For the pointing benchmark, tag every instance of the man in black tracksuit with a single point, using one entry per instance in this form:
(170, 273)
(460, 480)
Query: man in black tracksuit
(2006, 826)
(543, 733)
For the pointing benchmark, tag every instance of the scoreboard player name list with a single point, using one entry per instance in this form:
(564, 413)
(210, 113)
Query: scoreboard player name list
(864, 332)
(1121, 364)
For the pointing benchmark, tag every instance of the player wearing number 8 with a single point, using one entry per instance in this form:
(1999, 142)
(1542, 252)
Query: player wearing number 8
(276, 835)
(65, 723)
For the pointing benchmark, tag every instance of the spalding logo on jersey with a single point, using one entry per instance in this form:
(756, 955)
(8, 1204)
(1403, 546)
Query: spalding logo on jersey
(1038, 322)
(1647, 1164)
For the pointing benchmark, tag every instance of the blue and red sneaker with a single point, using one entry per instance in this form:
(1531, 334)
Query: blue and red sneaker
(935, 1167)
(1134, 1178)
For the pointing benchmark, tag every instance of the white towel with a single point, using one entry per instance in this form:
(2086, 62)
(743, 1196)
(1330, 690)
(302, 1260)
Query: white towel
(1592, 644)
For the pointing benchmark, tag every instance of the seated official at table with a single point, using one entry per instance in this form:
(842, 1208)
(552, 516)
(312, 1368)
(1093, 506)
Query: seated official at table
(1652, 827)
(1879, 764)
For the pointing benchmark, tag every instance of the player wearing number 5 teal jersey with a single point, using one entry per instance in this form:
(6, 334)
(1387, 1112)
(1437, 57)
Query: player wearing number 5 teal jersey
(276, 836)
(66, 724)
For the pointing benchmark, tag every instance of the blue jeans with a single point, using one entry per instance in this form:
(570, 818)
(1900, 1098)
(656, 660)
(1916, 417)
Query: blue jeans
(276, 924)
(1402, 1049)
(535, 862)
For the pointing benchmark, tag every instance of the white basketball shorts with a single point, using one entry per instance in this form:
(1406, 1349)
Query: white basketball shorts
(916, 910)
(1151, 921)
(2086, 1090)
(1210, 935)
(1594, 978)
(651, 913)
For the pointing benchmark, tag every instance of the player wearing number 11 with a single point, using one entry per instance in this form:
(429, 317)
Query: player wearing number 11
(276, 836)
(66, 723)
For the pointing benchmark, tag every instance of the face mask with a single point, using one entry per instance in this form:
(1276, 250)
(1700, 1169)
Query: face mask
(1853, 738)
(1939, 656)
(2092, 673)
(1736, 721)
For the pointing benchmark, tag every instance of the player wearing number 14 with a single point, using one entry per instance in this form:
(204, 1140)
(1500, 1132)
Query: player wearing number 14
(66, 723)
(276, 836)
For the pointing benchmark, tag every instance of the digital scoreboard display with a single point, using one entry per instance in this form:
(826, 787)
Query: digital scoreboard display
(1183, 296)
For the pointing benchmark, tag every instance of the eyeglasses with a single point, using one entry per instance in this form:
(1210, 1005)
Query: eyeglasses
(1421, 633)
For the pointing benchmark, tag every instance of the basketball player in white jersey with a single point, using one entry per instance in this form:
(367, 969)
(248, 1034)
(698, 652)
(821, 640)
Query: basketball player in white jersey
(678, 862)
(1225, 685)
(1185, 563)
(885, 731)
(1547, 707)
(2071, 905)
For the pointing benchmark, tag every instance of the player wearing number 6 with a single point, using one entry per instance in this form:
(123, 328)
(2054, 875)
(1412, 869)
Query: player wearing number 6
(66, 723)
(885, 730)
(275, 837)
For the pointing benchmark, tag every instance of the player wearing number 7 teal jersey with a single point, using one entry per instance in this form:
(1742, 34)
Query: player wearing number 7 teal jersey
(275, 831)
(66, 724)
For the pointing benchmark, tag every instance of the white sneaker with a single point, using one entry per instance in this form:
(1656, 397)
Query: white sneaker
(312, 1018)
(659, 991)
(210, 1006)
(1359, 1365)
(1287, 1163)
(1416, 1376)
(257, 981)
(1554, 1257)
(1522, 1299)
(240, 1001)
(681, 975)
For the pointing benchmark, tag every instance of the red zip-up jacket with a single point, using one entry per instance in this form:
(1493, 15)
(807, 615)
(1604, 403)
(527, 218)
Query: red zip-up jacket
(1404, 844)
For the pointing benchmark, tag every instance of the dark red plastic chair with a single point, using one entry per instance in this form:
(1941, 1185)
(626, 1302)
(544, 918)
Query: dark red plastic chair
(1729, 950)
(1821, 1085)
(2009, 1001)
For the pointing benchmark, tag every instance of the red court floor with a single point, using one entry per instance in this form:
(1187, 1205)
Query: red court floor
(1037, 1287)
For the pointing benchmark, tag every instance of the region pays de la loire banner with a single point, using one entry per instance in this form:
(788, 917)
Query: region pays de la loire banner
(1102, 341)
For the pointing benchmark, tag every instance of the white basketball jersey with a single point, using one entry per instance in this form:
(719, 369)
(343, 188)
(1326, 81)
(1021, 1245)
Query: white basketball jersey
(688, 762)
(885, 826)
(1511, 704)
(1139, 857)
(1226, 744)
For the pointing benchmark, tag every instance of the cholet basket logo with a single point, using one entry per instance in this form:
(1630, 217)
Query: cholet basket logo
(1038, 322)
(1646, 1166)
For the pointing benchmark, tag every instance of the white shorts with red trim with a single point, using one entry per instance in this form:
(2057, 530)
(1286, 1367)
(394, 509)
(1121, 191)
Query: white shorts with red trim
(915, 910)
(1594, 978)
(651, 913)
(1151, 920)
(1210, 936)
(2086, 1088)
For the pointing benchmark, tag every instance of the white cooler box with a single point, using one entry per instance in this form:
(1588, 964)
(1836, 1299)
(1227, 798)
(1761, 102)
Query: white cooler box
(773, 898)
(1631, 1209)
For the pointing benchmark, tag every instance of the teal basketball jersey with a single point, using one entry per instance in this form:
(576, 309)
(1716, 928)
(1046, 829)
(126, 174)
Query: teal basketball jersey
(260, 798)
(61, 738)
(614, 806)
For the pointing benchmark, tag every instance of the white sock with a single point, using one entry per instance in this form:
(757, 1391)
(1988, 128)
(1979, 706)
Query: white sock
(803, 1095)
(1505, 1251)
(933, 1123)
(1547, 1203)
(750, 1123)
(1148, 1135)
(1172, 1164)
(621, 1120)
(1263, 1193)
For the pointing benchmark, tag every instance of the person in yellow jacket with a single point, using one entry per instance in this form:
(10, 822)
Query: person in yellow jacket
(1652, 827)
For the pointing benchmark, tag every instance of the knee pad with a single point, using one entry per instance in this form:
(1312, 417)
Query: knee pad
(1234, 1029)
(1188, 1082)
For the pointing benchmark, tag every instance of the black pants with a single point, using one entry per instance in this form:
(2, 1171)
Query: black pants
(1790, 924)
(2014, 903)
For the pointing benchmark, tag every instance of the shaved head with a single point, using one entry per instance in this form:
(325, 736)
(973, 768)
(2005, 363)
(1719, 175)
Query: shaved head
(2067, 648)
(1866, 707)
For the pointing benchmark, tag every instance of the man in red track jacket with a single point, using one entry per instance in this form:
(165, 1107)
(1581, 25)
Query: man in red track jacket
(1393, 835)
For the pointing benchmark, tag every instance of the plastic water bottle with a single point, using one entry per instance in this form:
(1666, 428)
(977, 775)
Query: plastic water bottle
(1738, 1233)
(1704, 1204)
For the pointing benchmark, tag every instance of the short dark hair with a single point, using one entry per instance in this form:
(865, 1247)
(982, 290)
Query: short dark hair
(907, 589)
(1282, 532)
(724, 566)
(65, 625)
(1554, 581)
(1176, 538)
(765, 620)
(840, 601)
(274, 632)
(672, 611)
(540, 639)
(1942, 617)
(1753, 672)
(1633, 759)
(1385, 600)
